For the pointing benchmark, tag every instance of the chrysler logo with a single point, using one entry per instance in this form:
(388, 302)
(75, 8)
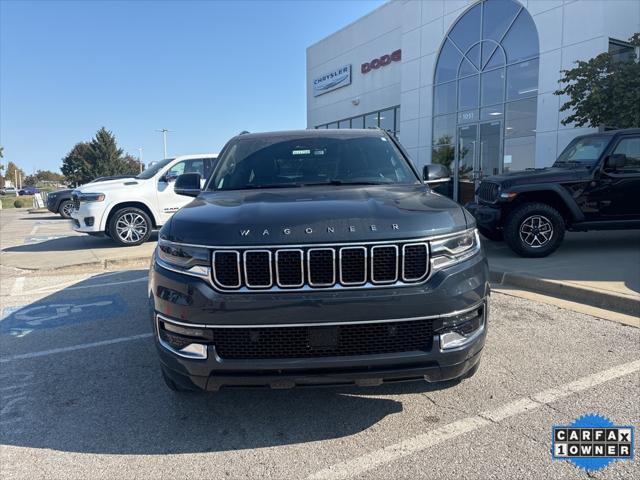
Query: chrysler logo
(245, 232)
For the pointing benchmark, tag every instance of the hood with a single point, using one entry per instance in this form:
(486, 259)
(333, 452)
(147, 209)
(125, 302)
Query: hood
(315, 215)
(107, 185)
(63, 191)
(542, 175)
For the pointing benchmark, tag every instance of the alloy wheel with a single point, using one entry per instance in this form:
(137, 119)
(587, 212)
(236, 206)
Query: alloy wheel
(131, 227)
(67, 209)
(536, 231)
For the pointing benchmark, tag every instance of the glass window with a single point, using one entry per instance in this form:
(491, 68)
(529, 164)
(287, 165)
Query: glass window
(630, 148)
(387, 119)
(522, 80)
(492, 113)
(519, 153)
(521, 41)
(344, 124)
(253, 163)
(444, 130)
(467, 31)
(444, 155)
(621, 51)
(521, 118)
(333, 125)
(371, 120)
(448, 61)
(495, 56)
(467, 68)
(357, 122)
(445, 98)
(188, 166)
(497, 17)
(492, 87)
(397, 120)
(587, 150)
(468, 93)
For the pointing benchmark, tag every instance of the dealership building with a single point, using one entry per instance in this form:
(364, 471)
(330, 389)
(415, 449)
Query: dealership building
(468, 84)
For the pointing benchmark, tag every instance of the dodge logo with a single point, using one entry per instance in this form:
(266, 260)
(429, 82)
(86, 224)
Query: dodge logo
(383, 61)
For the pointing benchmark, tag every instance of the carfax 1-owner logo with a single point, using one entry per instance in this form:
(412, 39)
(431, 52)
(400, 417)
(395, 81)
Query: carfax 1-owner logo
(592, 442)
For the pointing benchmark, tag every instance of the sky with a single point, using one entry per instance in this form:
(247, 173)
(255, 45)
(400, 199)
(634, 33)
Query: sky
(204, 69)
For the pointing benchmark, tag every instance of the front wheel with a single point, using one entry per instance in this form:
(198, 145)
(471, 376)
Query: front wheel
(129, 226)
(65, 209)
(534, 230)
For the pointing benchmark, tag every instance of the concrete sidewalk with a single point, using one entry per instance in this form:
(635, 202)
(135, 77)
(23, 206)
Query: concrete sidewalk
(601, 269)
(45, 242)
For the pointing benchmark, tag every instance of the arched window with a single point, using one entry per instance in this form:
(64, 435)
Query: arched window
(486, 80)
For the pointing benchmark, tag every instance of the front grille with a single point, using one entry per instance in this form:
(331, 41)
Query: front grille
(320, 267)
(76, 201)
(323, 341)
(488, 191)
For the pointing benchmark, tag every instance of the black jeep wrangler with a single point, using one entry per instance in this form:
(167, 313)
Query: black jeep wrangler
(593, 185)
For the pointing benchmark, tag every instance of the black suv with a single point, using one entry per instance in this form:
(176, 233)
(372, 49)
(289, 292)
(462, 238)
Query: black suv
(317, 257)
(593, 185)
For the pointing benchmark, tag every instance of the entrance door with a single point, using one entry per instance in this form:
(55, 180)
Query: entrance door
(466, 163)
(478, 156)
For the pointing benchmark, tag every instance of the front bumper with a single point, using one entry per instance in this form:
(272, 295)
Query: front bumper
(88, 218)
(487, 216)
(190, 301)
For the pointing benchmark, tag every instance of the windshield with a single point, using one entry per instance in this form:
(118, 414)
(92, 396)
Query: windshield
(583, 151)
(296, 161)
(151, 170)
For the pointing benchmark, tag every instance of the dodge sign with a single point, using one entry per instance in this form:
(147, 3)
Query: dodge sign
(332, 80)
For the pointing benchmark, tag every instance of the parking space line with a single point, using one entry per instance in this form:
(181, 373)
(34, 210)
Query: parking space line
(84, 346)
(364, 463)
(82, 287)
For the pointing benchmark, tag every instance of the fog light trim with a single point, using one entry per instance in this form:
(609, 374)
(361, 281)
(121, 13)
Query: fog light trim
(452, 339)
(194, 351)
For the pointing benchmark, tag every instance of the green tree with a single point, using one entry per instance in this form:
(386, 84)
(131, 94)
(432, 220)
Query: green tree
(603, 91)
(76, 165)
(12, 168)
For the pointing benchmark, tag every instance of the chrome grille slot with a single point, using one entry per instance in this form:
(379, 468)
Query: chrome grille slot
(308, 267)
(290, 268)
(257, 268)
(415, 261)
(384, 263)
(321, 265)
(226, 268)
(353, 265)
(488, 191)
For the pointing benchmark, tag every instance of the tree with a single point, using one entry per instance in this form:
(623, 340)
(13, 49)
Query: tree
(603, 91)
(98, 158)
(76, 165)
(12, 168)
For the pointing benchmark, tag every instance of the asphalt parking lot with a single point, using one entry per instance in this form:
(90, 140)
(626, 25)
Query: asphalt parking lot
(82, 397)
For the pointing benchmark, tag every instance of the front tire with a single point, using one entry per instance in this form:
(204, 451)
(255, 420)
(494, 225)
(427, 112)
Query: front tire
(129, 227)
(65, 209)
(534, 230)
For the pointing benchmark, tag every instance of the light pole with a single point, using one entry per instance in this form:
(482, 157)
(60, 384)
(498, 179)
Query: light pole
(164, 132)
(140, 158)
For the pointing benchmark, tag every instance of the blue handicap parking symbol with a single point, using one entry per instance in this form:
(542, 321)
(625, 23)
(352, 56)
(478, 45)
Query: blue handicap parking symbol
(41, 315)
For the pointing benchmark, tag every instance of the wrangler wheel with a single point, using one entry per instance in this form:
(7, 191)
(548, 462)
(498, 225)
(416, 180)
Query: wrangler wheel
(534, 230)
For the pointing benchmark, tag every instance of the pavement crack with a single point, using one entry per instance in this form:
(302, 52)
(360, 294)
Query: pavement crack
(446, 407)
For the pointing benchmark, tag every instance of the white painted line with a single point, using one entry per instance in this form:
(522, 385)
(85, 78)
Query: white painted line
(73, 348)
(365, 463)
(33, 230)
(81, 287)
(18, 286)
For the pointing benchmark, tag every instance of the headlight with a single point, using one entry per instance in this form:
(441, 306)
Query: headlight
(91, 197)
(454, 249)
(184, 259)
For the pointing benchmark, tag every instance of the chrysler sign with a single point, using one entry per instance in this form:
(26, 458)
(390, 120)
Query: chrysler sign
(332, 80)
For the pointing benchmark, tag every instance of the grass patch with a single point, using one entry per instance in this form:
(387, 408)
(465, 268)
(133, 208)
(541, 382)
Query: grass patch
(7, 201)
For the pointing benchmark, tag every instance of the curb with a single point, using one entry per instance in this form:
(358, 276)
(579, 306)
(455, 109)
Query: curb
(97, 265)
(587, 296)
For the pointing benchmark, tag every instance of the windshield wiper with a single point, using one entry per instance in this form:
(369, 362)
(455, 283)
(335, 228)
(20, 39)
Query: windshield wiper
(342, 182)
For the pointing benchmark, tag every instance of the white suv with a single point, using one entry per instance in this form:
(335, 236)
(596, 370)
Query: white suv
(128, 209)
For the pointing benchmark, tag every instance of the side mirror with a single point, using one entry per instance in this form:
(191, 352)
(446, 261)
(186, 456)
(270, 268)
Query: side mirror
(188, 184)
(615, 161)
(435, 173)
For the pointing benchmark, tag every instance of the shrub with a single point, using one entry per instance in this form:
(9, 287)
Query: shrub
(18, 204)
